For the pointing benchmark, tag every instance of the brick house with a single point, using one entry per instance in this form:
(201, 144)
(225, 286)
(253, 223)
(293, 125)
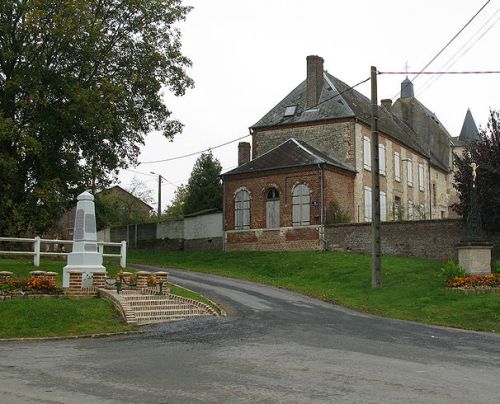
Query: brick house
(311, 154)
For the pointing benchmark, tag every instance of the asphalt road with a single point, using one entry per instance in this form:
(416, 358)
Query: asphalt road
(274, 346)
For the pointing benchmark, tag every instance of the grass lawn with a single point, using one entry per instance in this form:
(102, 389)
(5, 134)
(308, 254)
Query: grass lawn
(412, 288)
(55, 317)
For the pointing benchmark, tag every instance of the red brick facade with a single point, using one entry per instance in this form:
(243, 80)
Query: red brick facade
(337, 185)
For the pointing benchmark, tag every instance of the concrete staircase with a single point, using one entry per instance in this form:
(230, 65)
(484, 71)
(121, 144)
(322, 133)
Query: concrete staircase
(147, 308)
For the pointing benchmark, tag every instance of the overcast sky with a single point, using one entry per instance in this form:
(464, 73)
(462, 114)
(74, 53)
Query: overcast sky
(248, 55)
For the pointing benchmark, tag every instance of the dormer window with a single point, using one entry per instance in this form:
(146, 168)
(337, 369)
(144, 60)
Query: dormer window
(290, 110)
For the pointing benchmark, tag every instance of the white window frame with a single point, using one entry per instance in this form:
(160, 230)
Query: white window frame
(410, 172)
(367, 155)
(301, 205)
(242, 210)
(383, 206)
(421, 178)
(397, 167)
(368, 204)
(381, 159)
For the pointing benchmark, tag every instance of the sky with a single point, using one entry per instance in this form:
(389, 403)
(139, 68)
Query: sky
(248, 55)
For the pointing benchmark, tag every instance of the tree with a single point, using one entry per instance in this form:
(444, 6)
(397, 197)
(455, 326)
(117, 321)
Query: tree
(175, 210)
(81, 84)
(486, 154)
(116, 207)
(204, 185)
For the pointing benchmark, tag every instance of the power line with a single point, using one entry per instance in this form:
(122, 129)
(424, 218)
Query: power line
(342, 92)
(194, 153)
(447, 44)
(448, 72)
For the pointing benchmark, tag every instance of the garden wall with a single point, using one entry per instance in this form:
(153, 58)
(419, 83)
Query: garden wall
(424, 239)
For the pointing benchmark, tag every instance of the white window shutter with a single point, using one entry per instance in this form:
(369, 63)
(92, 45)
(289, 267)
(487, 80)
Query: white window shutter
(421, 177)
(368, 204)
(383, 207)
(410, 172)
(397, 167)
(381, 158)
(367, 159)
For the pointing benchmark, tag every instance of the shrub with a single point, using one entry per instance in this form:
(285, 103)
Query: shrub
(335, 214)
(452, 270)
(496, 267)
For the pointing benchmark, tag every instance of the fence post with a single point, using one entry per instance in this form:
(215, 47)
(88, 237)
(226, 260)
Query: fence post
(36, 248)
(123, 254)
(101, 248)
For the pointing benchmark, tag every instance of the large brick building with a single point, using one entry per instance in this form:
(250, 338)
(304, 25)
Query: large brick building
(310, 159)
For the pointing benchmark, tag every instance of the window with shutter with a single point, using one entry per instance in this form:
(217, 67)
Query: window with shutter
(301, 203)
(383, 207)
(367, 159)
(421, 177)
(410, 173)
(381, 158)
(397, 167)
(368, 204)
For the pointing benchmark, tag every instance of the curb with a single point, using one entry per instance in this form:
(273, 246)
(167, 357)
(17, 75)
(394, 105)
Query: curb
(69, 337)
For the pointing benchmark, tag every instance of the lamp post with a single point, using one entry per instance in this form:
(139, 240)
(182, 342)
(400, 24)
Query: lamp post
(159, 191)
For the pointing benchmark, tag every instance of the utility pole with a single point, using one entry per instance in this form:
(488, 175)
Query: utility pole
(376, 249)
(159, 192)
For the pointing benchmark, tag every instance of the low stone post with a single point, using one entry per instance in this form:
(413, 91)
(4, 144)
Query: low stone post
(5, 276)
(37, 274)
(75, 279)
(161, 278)
(52, 276)
(142, 279)
(98, 279)
(126, 279)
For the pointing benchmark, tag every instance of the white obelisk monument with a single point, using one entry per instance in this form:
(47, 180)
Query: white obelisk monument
(85, 256)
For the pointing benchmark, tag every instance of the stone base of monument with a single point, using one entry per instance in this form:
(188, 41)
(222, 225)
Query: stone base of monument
(475, 257)
(85, 262)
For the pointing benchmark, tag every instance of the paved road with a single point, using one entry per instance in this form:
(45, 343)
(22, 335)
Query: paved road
(274, 346)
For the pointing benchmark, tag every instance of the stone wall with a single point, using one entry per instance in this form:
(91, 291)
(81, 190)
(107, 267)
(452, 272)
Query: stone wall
(424, 239)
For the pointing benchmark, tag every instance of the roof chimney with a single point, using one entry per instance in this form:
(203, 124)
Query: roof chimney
(387, 104)
(243, 153)
(314, 80)
(407, 89)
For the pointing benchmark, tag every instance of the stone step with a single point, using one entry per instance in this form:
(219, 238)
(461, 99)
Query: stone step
(161, 319)
(148, 303)
(143, 298)
(168, 312)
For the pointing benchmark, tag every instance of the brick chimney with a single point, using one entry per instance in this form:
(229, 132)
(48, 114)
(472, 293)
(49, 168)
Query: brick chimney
(314, 80)
(243, 153)
(387, 104)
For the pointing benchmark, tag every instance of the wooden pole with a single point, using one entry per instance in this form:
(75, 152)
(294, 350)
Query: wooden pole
(376, 250)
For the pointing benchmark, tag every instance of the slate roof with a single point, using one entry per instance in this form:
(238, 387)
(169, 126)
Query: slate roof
(291, 153)
(469, 132)
(337, 101)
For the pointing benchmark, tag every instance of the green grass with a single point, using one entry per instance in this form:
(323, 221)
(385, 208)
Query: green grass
(58, 317)
(412, 288)
(55, 317)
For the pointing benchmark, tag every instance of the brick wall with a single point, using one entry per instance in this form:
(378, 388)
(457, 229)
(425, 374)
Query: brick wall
(424, 239)
(284, 239)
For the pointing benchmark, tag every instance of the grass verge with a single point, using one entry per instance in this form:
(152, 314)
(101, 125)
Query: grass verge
(183, 292)
(412, 288)
(21, 318)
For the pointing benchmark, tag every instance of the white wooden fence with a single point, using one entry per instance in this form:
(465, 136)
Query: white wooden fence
(37, 242)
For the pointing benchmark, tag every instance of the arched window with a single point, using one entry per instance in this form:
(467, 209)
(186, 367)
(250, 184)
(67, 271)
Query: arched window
(242, 210)
(272, 208)
(301, 202)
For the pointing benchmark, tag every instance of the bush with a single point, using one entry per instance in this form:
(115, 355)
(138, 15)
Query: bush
(335, 214)
(496, 267)
(33, 285)
(452, 270)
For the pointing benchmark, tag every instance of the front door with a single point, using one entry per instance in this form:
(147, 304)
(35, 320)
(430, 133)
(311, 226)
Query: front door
(273, 209)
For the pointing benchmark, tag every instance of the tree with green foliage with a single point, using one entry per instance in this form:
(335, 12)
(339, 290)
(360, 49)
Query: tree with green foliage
(486, 154)
(205, 185)
(81, 84)
(175, 210)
